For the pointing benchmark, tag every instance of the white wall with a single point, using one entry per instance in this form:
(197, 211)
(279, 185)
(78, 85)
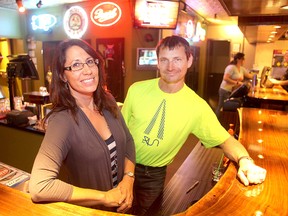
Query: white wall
(12, 23)
(264, 52)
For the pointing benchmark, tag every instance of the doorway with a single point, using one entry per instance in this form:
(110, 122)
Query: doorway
(112, 50)
(217, 58)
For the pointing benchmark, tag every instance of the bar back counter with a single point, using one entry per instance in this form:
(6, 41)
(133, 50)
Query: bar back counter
(19, 145)
(263, 132)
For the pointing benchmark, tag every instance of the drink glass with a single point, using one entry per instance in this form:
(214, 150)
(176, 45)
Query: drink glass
(217, 171)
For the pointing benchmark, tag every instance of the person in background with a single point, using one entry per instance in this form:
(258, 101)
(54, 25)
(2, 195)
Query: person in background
(161, 113)
(86, 135)
(283, 82)
(233, 77)
(279, 82)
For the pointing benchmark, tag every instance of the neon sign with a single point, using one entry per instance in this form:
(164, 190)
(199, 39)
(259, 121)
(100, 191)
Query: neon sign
(200, 33)
(43, 21)
(105, 14)
(75, 22)
(190, 29)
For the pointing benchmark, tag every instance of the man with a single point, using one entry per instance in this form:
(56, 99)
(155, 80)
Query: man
(162, 112)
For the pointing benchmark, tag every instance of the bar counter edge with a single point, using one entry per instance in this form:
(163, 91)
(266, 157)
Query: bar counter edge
(228, 196)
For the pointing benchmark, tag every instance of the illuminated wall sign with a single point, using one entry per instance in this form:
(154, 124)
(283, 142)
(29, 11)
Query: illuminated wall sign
(190, 29)
(200, 33)
(75, 22)
(43, 21)
(105, 14)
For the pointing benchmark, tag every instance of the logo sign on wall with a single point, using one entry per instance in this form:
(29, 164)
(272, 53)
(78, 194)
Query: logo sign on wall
(200, 33)
(43, 21)
(105, 14)
(190, 29)
(75, 22)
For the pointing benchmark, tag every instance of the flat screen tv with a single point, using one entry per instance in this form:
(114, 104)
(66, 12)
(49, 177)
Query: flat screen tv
(146, 59)
(21, 66)
(156, 14)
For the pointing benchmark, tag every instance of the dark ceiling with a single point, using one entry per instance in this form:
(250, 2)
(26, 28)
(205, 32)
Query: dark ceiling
(257, 18)
(254, 7)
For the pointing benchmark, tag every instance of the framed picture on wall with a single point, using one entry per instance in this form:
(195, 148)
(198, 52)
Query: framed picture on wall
(280, 58)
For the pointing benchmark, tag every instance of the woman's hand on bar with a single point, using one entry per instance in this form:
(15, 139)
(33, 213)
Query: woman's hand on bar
(126, 188)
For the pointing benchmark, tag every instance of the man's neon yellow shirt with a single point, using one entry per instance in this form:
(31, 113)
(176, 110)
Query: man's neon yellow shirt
(161, 122)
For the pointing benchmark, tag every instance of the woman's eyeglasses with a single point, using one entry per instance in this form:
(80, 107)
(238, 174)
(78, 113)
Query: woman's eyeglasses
(79, 66)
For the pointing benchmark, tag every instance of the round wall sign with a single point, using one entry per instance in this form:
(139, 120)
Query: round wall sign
(105, 14)
(75, 22)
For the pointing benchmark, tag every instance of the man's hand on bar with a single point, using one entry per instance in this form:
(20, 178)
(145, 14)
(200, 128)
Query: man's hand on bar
(249, 173)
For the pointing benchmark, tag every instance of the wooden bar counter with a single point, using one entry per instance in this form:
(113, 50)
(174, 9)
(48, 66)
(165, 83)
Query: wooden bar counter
(275, 93)
(269, 98)
(263, 132)
(16, 203)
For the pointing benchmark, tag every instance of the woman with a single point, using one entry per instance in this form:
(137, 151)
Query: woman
(86, 135)
(233, 76)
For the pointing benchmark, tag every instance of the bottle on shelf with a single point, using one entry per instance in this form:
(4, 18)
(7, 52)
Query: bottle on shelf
(231, 129)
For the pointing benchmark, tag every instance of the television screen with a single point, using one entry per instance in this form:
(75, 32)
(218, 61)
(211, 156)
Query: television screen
(146, 59)
(21, 66)
(156, 14)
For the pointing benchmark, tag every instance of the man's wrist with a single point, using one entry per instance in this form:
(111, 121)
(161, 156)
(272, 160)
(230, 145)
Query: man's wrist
(245, 157)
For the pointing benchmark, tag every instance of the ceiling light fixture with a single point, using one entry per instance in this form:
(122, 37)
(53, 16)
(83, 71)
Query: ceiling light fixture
(39, 4)
(21, 8)
(284, 7)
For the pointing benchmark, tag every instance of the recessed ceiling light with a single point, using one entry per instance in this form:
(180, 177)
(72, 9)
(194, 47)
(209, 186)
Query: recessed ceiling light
(284, 7)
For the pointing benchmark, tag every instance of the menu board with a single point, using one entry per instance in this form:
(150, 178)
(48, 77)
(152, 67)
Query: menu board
(280, 58)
